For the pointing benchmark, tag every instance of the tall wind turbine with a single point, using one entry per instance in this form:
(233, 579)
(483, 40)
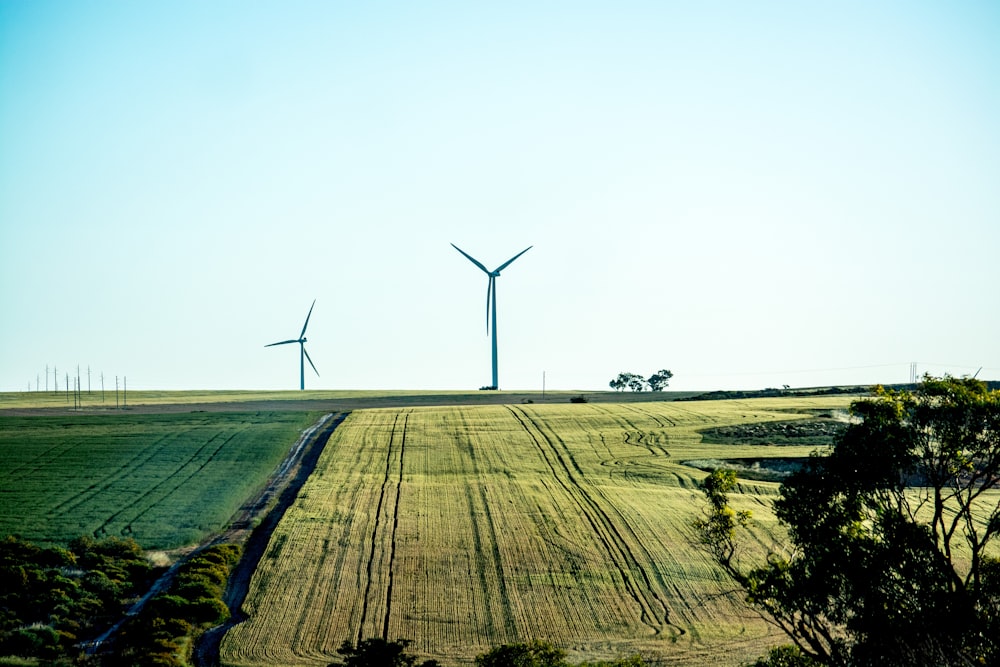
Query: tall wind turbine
(491, 299)
(303, 355)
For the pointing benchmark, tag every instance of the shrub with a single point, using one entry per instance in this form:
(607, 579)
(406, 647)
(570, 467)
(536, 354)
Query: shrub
(533, 654)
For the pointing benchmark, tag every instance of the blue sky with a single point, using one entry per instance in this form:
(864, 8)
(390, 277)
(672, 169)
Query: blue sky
(748, 194)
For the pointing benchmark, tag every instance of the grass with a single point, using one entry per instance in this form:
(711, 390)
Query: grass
(165, 480)
(467, 527)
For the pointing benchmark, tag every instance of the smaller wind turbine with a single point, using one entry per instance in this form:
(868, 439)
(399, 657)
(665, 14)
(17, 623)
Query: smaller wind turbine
(303, 355)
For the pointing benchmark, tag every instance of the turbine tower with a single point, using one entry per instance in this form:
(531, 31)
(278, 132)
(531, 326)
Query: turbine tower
(303, 355)
(491, 299)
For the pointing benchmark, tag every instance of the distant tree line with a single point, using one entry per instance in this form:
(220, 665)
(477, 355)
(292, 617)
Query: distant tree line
(658, 381)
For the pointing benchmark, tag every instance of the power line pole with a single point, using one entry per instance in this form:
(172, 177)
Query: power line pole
(55, 380)
(116, 392)
(102, 386)
(88, 378)
(46, 377)
(124, 392)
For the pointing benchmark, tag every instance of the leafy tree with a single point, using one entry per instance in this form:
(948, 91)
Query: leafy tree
(891, 532)
(632, 381)
(659, 380)
(620, 382)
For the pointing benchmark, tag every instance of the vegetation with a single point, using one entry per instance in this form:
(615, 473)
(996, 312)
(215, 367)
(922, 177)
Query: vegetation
(166, 629)
(894, 536)
(165, 480)
(467, 528)
(658, 381)
(52, 599)
(378, 652)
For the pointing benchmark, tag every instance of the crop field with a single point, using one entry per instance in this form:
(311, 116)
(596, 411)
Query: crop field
(463, 528)
(165, 480)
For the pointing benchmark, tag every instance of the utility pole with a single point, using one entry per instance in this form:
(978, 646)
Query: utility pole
(116, 392)
(124, 392)
(88, 378)
(55, 380)
(102, 386)
(46, 377)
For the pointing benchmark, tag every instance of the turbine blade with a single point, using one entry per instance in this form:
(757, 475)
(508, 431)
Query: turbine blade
(470, 258)
(489, 292)
(284, 342)
(508, 262)
(307, 319)
(310, 360)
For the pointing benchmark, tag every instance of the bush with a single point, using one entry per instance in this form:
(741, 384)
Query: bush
(533, 654)
(785, 656)
(377, 652)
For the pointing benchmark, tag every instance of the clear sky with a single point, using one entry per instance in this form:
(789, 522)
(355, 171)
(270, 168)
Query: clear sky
(750, 194)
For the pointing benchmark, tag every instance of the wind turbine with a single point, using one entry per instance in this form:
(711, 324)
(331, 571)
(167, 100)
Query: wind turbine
(303, 355)
(491, 299)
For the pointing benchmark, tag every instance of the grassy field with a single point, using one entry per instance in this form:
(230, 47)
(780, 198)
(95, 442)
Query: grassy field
(166, 480)
(152, 401)
(466, 527)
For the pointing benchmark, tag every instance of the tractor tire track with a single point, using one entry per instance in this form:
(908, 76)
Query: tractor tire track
(631, 429)
(488, 536)
(654, 612)
(36, 463)
(126, 469)
(391, 483)
(102, 529)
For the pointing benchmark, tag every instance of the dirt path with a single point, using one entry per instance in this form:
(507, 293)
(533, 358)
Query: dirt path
(268, 509)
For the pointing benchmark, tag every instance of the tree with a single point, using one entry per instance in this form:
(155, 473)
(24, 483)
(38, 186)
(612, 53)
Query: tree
(891, 535)
(659, 380)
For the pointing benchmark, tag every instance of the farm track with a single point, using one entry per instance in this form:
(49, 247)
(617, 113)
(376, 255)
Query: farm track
(268, 507)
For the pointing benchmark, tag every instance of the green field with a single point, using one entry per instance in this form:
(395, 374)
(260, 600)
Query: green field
(463, 528)
(166, 480)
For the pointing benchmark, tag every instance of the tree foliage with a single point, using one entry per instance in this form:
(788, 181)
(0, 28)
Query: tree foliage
(659, 380)
(635, 382)
(53, 598)
(891, 535)
(529, 654)
(379, 652)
